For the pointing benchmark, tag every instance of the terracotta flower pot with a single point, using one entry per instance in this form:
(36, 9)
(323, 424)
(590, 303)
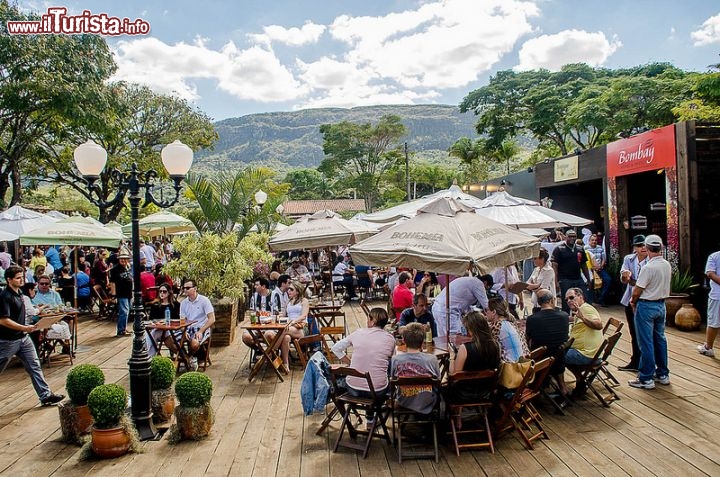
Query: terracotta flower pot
(672, 305)
(75, 421)
(194, 423)
(163, 405)
(109, 443)
(687, 318)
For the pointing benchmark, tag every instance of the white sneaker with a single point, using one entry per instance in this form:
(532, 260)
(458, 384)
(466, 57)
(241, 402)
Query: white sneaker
(664, 380)
(193, 364)
(702, 349)
(637, 383)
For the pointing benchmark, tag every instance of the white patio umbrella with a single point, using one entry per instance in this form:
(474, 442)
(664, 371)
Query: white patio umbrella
(162, 223)
(115, 227)
(7, 237)
(448, 237)
(18, 220)
(322, 229)
(57, 215)
(409, 209)
(525, 213)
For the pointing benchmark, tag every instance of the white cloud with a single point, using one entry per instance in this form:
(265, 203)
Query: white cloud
(251, 74)
(402, 57)
(708, 33)
(568, 46)
(309, 33)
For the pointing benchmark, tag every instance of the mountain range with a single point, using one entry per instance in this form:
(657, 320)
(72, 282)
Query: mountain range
(288, 140)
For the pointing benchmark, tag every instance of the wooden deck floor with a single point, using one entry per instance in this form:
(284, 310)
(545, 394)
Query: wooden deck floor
(261, 431)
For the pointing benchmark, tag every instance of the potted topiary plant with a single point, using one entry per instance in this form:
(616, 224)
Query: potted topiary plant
(75, 417)
(162, 375)
(194, 416)
(107, 405)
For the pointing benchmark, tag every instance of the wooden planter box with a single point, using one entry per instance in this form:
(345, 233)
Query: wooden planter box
(226, 318)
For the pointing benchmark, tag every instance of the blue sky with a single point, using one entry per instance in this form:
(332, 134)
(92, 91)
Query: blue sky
(249, 56)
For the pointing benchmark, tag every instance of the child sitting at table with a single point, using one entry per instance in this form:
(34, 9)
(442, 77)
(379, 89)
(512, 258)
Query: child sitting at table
(415, 363)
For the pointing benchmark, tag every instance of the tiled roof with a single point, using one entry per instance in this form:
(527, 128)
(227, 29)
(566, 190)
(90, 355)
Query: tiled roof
(302, 207)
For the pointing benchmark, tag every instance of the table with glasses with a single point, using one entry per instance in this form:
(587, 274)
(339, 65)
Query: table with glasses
(269, 349)
(176, 331)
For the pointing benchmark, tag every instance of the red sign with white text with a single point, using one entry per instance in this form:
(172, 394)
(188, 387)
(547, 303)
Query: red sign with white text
(648, 151)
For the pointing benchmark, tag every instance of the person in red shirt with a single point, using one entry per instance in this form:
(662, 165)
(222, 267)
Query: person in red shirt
(147, 283)
(402, 296)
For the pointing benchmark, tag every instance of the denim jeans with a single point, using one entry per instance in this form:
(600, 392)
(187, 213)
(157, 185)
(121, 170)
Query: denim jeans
(650, 330)
(606, 280)
(25, 351)
(123, 312)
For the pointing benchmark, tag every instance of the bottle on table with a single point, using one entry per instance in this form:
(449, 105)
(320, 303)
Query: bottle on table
(167, 316)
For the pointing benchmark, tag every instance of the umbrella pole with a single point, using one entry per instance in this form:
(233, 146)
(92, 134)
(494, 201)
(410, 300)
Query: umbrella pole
(75, 258)
(447, 311)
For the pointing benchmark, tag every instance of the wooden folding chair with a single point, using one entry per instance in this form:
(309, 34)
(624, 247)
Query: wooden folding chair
(348, 404)
(203, 354)
(538, 353)
(612, 326)
(535, 388)
(365, 308)
(516, 414)
(558, 401)
(107, 305)
(587, 374)
(307, 345)
(332, 333)
(403, 416)
(486, 379)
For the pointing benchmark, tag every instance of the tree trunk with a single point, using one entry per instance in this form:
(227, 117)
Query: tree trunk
(17, 186)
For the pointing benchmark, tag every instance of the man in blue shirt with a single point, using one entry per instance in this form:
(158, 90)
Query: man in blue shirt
(418, 313)
(53, 258)
(45, 294)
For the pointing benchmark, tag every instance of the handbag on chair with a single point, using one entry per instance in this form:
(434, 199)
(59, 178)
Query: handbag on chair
(511, 374)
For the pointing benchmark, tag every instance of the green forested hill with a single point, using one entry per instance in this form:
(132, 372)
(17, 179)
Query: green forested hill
(292, 139)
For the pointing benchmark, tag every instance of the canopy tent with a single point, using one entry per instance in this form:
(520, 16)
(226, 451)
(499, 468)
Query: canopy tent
(322, 229)
(410, 209)
(525, 213)
(18, 220)
(72, 231)
(448, 237)
(162, 223)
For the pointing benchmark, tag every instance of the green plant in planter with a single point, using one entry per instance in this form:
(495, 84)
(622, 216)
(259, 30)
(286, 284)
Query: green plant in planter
(107, 405)
(81, 380)
(162, 372)
(194, 416)
(682, 282)
(193, 389)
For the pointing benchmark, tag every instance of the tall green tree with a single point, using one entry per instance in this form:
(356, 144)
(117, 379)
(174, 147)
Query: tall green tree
(134, 128)
(227, 201)
(578, 106)
(309, 184)
(45, 81)
(359, 155)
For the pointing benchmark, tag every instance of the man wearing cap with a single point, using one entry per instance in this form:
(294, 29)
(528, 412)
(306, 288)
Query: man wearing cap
(570, 266)
(632, 264)
(121, 287)
(712, 271)
(298, 271)
(648, 299)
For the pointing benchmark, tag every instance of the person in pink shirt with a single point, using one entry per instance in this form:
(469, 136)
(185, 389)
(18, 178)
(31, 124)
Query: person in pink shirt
(372, 349)
(402, 296)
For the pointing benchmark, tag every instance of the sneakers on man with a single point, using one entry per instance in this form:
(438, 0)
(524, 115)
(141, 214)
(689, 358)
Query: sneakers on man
(193, 364)
(702, 349)
(637, 383)
(52, 399)
(664, 380)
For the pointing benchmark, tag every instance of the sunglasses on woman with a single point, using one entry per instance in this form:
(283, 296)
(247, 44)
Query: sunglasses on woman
(164, 292)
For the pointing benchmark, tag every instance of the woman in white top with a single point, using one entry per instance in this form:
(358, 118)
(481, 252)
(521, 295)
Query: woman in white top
(297, 312)
(543, 276)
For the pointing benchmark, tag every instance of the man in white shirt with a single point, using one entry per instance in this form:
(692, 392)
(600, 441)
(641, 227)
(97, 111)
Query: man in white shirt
(343, 273)
(197, 308)
(712, 271)
(465, 292)
(148, 251)
(279, 297)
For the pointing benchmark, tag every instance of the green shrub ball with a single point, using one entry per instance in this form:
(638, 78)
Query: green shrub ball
(162, 372)
(107, 404)
(193, 389)
(81, 380)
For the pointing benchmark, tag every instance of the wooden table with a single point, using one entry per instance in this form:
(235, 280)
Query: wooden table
(326, 306)
(269, 349)
(170, 331)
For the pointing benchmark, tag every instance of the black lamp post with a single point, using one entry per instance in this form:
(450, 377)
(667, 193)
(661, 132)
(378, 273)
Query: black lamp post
(90, 160)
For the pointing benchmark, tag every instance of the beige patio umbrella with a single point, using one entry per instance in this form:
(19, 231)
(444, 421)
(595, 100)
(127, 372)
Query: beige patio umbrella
(448, 237)
(322, 229)
(524, 213)
(162, 223)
